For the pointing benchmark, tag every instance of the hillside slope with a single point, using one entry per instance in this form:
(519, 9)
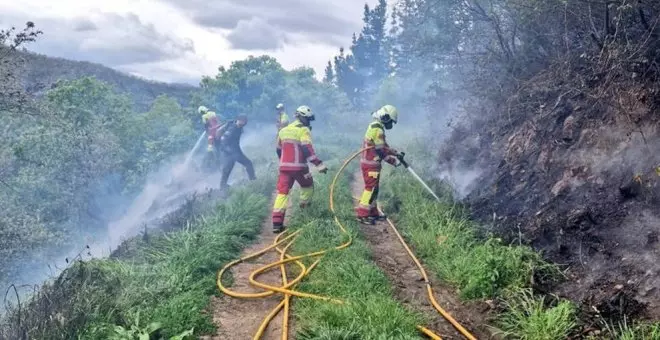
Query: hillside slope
(576, 178)
(41, 72)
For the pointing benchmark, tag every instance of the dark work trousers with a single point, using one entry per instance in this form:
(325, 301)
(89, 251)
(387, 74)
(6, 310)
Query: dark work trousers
(229, 159)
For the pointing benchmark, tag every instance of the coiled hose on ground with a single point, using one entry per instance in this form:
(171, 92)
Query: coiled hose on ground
(287, 287)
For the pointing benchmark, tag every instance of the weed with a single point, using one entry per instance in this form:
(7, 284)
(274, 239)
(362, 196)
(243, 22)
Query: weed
(370, 311)
(635, 331)
(161, 290)
(444, 236)
(528, 317)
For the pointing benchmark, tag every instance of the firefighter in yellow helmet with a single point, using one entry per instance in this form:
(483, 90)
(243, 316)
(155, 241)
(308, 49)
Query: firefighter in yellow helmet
(371, 159)
(295, 150)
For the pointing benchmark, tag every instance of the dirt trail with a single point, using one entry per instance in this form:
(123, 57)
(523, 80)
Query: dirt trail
(390, 256)
(239, 319)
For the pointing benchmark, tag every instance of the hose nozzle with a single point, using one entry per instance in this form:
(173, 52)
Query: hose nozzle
(400, 158)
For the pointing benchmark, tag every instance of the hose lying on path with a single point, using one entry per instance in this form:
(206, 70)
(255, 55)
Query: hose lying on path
(287, 287)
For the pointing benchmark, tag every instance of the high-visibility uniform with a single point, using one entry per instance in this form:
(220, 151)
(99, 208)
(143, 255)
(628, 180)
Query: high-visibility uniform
(294, 148)
(211, 123)
(282, 120)
(370, 164)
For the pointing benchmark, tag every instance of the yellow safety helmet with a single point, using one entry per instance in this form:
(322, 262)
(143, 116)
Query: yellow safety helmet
(387, 114)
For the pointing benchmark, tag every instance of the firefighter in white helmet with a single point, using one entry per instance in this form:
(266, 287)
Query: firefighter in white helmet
(295, 150)
(371, 159)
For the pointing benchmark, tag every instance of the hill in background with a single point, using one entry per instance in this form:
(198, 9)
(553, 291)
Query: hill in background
(41, 72)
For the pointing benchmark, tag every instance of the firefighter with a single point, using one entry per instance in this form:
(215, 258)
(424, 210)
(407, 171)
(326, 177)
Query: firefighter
(211, 123)
(370, 162)
(230, 147)
(282, 117)
(294, 148)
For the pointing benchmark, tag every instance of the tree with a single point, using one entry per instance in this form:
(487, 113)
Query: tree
(329, 77)
(251, 86)
(359, 73)
(11, 93)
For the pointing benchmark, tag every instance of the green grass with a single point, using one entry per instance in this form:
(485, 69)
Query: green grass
(165, 285)
(630, 331)
(371, 312)
(528, 317)
(479, 266)
(447, 241)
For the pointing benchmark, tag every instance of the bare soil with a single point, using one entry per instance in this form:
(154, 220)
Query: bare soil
(575, 179)
(390, 256)
(240, 318)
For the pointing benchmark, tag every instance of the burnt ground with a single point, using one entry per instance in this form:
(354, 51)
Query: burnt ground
(577, 179)
(409, 288)
(239, 318)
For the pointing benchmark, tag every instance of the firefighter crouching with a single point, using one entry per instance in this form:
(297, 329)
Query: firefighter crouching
(370, 162)
(295, 149)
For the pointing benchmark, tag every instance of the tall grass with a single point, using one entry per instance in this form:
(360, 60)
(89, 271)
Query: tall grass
(625, 330)
(479, 266)
(446, 239)
(370, 311)
(161, 290)
(528, 317)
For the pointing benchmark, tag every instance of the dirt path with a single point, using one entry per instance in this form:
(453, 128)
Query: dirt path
(239, 319)
(391, 257)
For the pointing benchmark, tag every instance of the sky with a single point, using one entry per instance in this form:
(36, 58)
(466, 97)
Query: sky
(182, 40)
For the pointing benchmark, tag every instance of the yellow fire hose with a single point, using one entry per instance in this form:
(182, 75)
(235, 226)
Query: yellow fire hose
(287, 286)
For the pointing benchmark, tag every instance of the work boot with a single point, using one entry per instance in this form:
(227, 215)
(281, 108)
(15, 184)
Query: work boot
(366, 220)
(380, 217)
(304, 205)
(278, 228)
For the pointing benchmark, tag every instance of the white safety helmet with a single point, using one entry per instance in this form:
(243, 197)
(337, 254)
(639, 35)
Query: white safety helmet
(202, 109)
(388, 115)
(305, 111)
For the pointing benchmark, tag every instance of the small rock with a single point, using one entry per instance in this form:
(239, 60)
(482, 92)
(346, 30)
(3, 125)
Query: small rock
(490, 304)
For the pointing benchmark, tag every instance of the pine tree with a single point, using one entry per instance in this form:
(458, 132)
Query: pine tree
(329, 77)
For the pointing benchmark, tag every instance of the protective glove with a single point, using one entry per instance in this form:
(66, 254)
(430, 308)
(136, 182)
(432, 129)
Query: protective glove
(209, 148)
(323, 169)
(400, 161)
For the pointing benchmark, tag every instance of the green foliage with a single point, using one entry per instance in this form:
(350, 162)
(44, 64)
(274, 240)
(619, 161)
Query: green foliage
(625, 330)
(56, 163)
(359, 73)
(163, 130)
(253, 87)
(162, 290)
(529, 318)
(370, 311)
(446, 239)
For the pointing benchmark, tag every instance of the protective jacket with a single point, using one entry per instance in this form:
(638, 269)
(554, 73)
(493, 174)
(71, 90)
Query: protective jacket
(282, 120)
(230, 147)
(211, 124)
(294, 147)
(230, 136)
(381, 151)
